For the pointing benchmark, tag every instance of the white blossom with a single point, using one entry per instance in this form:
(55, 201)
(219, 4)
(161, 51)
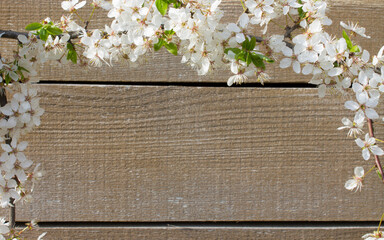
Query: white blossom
(356, 181)
(72, 5)
(369, 146)
(354, 28)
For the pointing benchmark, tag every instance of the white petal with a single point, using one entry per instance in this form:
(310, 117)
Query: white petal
(377, 150)
(287, 52)
(365, 56)
(286, 62)
(231, 80)
(6, 148)
(243, 20)
(351, 105)
(285, 10)
(233, 27)
(371, 113)
(357, 87)
(360, 142)
(350, 184)
(346, 122)
(296, 67)
(22, 146)
(23, 39)
(335, 72)
(365, 154)
(359, 172)
(322, 90)
(240, 37)
(21, 157)
(307, 69)
(80, 5)
(66, 5)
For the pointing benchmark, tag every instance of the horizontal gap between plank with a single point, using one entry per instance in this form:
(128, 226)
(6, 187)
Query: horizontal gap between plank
(182, 84)
(197, 225)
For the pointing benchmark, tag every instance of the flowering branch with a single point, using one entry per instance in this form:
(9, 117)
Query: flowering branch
(14, 35)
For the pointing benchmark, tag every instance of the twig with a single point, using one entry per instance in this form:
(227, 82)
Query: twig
(13, 34)
(12, 213)
(377, 160)
(289, 30)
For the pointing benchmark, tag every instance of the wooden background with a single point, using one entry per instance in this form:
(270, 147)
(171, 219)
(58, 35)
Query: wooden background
(148, 153)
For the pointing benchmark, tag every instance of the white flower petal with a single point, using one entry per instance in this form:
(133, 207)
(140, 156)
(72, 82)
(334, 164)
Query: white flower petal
(350, 184)
(335, 72)
(371, 113)
(359, 172)
(360, 142)
(377, 150)
(365, 154)
(285, 62)
(351, 105)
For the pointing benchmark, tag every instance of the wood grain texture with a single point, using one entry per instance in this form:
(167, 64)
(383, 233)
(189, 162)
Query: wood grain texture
(174, 233)
(126, 153)
(15, 15)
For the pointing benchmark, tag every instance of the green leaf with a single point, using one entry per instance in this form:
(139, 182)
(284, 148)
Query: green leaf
(301, 13)
(33, 26)
(169, 33)
(257, 60)
(8, 79)
(267, 59)
(159, 44)
(72, 54)
(355, 49)
(246, 44)
(171, 47)
(234, 50)
(177, 4)
(241, 56)
(43, 34)
(53, 30)
(378, 173)
(162, 6)
(252, 43)
(248, 57)
(348, 40)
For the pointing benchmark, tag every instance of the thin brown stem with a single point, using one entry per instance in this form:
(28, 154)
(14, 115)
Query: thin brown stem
(377, 160)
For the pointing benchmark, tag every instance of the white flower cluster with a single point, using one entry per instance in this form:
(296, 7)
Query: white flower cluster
(19, 116)
(20, 112)
(194, 30)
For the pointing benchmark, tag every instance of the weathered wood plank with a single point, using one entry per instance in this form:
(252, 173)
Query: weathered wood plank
(125, 153)
(14, 15)
(175, 233)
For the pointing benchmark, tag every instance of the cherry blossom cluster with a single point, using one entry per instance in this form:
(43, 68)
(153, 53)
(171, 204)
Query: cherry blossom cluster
(193, 29)
(20, 114)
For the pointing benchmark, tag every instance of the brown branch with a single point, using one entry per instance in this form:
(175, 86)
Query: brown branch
(13, 34)
(377, 160)
(289, 30)
(12, 214)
